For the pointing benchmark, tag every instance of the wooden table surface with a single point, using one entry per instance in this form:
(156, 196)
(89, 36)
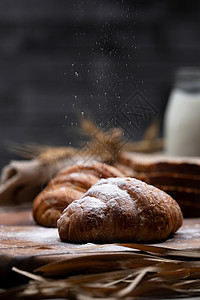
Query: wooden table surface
(26, 245)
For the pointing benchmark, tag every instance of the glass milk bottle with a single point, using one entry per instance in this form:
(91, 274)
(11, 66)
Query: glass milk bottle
(182, 116)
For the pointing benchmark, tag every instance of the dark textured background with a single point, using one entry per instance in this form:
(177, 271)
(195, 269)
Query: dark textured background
(61, 60)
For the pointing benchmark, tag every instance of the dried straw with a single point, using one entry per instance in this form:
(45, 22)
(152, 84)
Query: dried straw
(143, 271)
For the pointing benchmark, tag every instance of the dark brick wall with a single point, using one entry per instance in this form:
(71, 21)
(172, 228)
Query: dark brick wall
(61, 58)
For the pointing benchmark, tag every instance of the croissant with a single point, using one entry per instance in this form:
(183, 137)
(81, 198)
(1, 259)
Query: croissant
(68, 185)
(120, 210)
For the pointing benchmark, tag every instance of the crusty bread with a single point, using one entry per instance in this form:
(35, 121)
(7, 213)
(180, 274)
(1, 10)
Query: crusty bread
(120, 210)
(177, 176)
(68, 185)
(170, 179)
(140, 162)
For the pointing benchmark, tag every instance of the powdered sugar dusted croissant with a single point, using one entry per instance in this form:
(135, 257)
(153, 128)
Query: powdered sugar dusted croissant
(68, 185)
(120, 210)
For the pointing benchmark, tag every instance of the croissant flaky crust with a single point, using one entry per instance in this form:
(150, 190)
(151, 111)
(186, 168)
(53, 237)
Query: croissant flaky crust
(68, 185)
(120, 210)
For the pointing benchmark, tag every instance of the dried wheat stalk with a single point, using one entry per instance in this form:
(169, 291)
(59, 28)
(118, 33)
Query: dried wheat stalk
(103, 145)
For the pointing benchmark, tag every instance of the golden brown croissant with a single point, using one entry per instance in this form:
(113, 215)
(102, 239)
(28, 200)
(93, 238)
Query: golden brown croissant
(120, 210)
(68, 185)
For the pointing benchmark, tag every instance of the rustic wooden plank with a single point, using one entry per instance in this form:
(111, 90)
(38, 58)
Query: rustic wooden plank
(26, 245)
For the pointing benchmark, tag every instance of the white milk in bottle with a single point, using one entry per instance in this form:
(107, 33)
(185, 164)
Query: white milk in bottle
(182, 116)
